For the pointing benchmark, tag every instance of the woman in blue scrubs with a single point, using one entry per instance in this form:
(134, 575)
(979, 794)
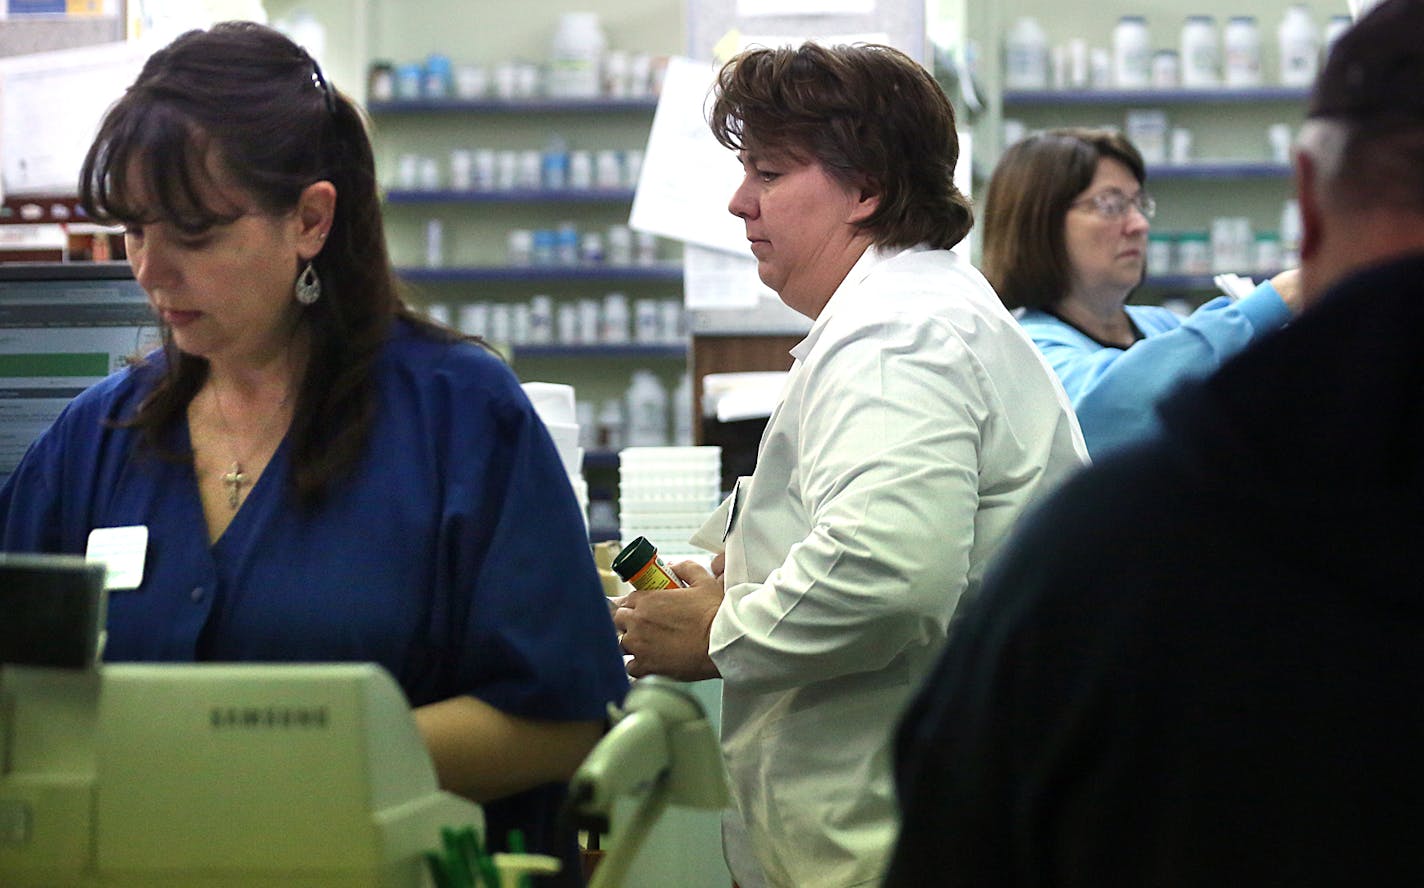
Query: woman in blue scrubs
(1066, 217)
(323, 475)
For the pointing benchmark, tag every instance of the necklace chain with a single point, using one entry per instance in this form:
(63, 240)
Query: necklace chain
(235, 478)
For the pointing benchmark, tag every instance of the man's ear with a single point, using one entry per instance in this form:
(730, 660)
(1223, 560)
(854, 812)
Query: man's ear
(1312, 215)
(316, 211)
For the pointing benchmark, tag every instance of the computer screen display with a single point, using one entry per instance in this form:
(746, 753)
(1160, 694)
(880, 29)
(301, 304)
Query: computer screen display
(63, 327)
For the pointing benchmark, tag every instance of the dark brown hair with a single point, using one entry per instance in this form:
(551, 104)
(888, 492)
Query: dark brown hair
(247, 99)
(870, 115)
(1025, 254)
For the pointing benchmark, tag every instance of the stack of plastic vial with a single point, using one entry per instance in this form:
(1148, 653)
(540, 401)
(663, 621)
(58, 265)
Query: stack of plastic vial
(665, 494)
(555, 405)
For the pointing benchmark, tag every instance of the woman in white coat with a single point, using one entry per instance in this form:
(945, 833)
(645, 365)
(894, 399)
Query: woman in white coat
(917, 423)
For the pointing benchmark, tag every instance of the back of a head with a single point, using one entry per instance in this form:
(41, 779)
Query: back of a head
(1366, 113)
(869, 114)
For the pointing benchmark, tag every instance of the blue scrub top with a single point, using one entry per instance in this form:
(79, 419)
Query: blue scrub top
(454, 555)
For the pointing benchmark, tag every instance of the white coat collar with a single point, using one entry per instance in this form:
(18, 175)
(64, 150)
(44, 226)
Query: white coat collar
(873, 257)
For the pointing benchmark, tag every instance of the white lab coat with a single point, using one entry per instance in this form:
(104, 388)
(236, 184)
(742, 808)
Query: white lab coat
(917, 423)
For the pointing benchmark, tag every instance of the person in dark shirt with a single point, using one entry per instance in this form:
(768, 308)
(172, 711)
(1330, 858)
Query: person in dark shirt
(1202, 661)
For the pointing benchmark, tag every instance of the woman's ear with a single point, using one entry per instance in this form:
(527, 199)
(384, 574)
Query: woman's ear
(865, 199)
(316, 211)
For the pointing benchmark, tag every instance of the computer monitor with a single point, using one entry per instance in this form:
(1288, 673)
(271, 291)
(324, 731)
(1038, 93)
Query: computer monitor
(63, 327)
(213, 775)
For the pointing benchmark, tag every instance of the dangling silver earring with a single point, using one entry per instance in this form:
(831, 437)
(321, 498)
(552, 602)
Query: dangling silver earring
(308, 287)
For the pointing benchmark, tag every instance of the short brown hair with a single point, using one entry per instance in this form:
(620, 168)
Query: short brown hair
(870, 115)
(1025, 254)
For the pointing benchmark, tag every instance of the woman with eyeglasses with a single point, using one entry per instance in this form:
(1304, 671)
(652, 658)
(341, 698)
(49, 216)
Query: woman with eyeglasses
(1065, 243)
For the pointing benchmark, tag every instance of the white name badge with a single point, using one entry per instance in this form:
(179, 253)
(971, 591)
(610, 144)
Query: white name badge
(122, 551)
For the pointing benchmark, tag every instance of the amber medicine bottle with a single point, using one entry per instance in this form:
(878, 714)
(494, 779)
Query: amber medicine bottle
(639, 565)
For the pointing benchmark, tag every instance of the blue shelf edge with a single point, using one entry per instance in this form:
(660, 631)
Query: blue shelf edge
(1228, 169)
(592, 350)
(509, 195)
(512, 106)
(663, 271)
(1159, 96)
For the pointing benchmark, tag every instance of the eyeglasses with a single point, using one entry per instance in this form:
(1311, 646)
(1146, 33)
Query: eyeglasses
(1113, 204)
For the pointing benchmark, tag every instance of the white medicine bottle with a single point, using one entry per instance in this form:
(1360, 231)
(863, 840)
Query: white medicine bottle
(1132, 53)
(647, 410)
(1299, 46)
(576, 59)
(1200, 52)
(1242, 44)
(1026, 55)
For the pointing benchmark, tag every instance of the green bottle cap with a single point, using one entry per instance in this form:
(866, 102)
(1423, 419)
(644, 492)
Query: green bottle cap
(633, 557)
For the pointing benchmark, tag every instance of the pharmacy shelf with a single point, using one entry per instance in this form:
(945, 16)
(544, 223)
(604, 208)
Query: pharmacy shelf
(670, 272)
(1258, 94)
(644, 105)
(1220, 170)
(510, 195)
(648, 351)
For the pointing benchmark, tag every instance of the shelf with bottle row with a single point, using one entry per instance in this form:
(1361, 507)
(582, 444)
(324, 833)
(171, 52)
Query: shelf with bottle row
(508, 195)
(640, 104)
(1177, 96)
(666, 272)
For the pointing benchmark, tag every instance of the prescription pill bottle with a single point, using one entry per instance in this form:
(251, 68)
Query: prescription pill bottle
(639, 566)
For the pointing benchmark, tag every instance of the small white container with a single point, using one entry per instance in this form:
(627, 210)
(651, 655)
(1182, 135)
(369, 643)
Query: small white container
(1181, 153)
(647, 410)
(1193, 252)
(1242, 50)
(471, 81)
(519, 247)
(1268, 252)
(615, 318)
(608, 169)
(590, 321)
(473, 318)
(576, 57)
(434, 243)
(647, 248)
(620, 245)
(580, 170)
(1026, 55)
(647, 321)
(1166, 69)
(462, 169)
(1147, 129)
(1132, 53)
(541, 319)
(1299, 46)
(1200, 51)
